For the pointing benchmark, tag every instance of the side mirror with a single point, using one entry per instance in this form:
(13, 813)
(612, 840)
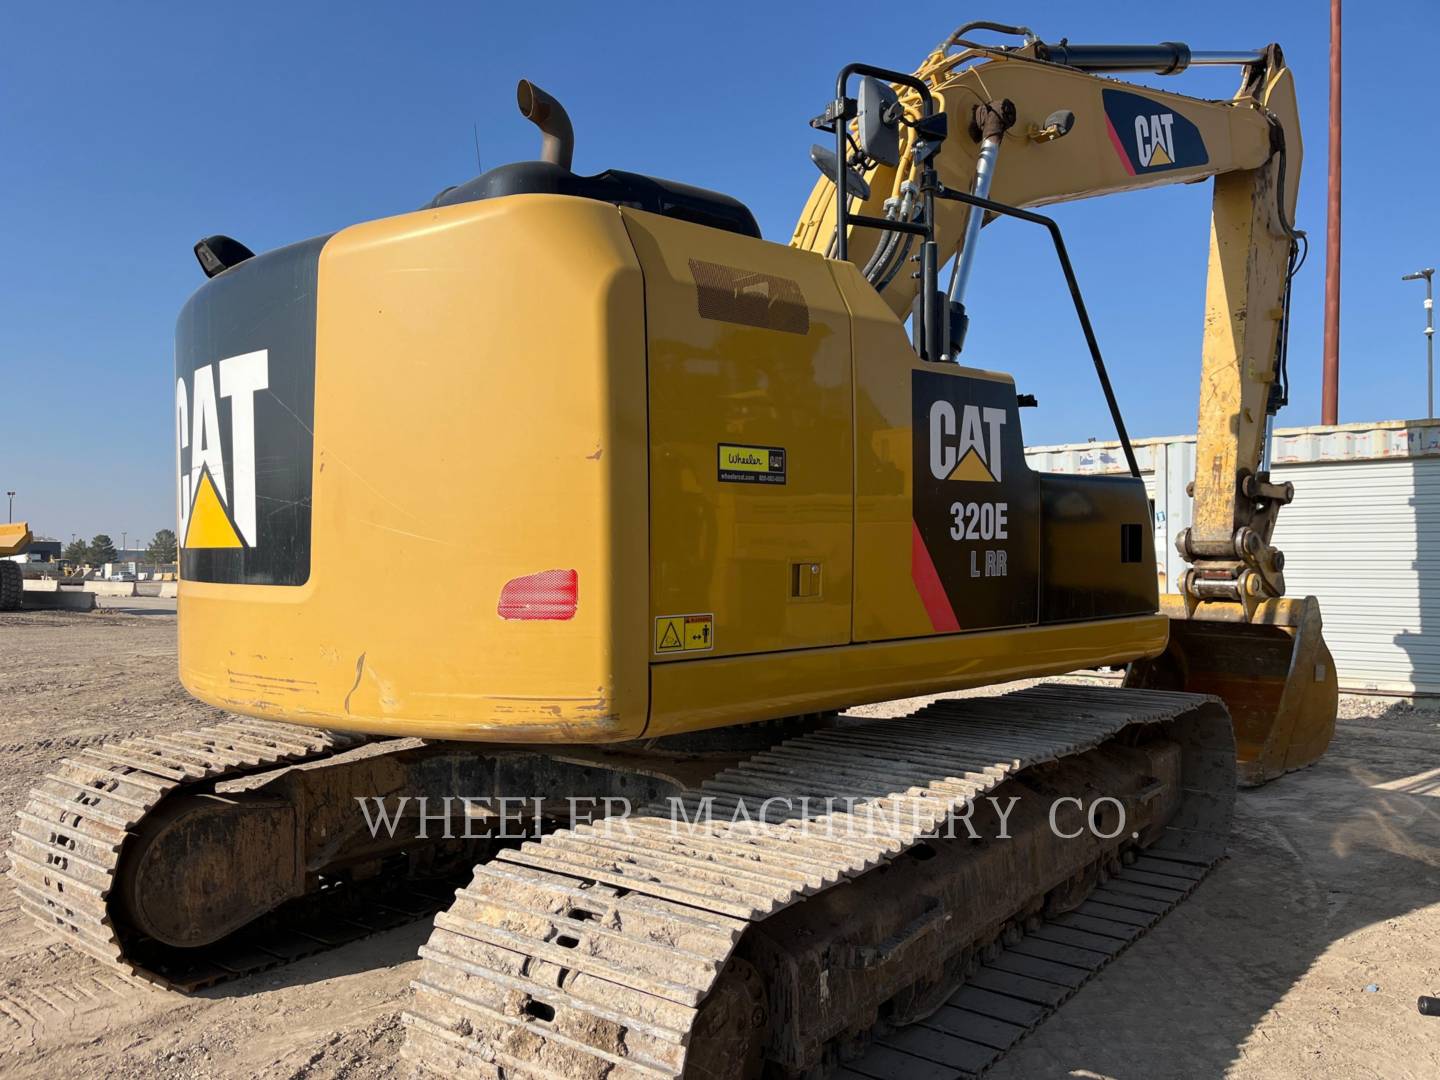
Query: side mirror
(879, 121)
(827, 163)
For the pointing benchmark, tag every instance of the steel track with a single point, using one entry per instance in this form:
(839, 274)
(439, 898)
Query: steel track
(1014, 992)
(72, 834)
(590, 953)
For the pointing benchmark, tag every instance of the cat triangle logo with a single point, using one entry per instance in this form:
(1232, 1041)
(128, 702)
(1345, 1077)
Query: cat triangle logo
(1159, 157)
(209, 523)
(971, 467)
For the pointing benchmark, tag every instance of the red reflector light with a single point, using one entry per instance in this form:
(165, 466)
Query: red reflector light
(550, 594)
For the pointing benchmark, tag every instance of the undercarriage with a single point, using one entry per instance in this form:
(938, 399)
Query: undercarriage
(767, 903)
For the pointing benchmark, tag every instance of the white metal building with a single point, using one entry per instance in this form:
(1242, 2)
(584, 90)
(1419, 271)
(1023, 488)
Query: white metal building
(1363, 535)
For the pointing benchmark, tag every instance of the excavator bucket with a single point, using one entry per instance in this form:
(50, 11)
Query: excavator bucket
(14, 538)
(1273, 671)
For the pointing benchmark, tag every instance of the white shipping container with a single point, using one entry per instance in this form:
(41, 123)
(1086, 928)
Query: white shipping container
(1361, 535)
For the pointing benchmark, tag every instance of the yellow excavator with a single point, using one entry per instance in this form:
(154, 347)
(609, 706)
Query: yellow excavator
(15, 537)
(712, 493)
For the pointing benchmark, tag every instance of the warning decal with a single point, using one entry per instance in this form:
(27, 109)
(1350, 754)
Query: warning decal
(684, 633)
(740, 464)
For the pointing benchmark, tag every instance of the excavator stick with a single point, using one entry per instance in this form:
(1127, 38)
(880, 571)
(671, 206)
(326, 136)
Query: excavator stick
(1273, 671)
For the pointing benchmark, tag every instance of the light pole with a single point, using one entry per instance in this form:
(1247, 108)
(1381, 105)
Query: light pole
(12, 504)
(1427, 274)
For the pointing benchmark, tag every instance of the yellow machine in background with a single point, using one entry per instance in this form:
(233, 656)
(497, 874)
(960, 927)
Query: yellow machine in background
(15, 537)
(711, 494)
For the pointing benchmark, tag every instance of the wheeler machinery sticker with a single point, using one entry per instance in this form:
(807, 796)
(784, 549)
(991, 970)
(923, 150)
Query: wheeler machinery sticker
(244, 410)
(975, 504)
(740, 464)
(684, 633)
(1150, 137)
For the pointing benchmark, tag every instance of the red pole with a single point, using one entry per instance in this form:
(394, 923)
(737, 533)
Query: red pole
(1330, 394)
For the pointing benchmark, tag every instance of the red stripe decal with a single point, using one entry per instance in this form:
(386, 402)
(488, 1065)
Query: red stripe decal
(927, 584)
(1119, 148)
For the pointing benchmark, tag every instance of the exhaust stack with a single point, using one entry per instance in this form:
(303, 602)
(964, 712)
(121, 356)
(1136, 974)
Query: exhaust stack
(542, 110)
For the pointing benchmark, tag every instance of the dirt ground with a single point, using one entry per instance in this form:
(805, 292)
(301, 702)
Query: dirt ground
(1333, 884)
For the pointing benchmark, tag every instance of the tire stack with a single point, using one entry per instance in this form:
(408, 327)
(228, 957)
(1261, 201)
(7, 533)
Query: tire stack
(12, 586)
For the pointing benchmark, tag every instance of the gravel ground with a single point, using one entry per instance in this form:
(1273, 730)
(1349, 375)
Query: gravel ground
(1332, 884)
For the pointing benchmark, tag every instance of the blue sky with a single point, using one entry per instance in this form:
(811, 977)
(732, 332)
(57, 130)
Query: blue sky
(130, 131)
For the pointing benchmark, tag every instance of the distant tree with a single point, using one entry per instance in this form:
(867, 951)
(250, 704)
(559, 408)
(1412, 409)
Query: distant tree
(162, 548)
(102, 550)
(77, 552)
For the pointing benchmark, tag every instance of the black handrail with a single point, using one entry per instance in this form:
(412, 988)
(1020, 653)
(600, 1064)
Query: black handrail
(930, 187)
(929, 256)
(1005, 210)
